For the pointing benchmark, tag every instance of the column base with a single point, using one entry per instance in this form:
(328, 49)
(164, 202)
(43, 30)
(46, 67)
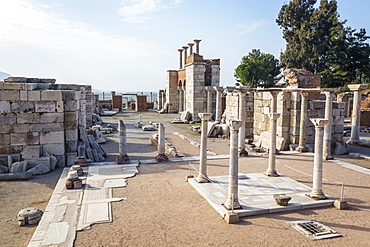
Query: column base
(231, 218)
(354, 142)
(243, 153)
(271, 174)
(301, 149)
(122, 159)
(317, 196)
(161, 158)
(229, 205)
(202, 179)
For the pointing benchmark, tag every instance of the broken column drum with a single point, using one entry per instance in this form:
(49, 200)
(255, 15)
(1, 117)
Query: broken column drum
(232, 201)
(202, 176)
(302, 127)
(317, 192)
(327, 128)
(355, 121)
(122, 158)
(161, 144)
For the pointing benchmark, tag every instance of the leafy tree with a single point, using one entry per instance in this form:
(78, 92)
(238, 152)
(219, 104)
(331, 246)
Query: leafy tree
(258, 69)
(316, 39)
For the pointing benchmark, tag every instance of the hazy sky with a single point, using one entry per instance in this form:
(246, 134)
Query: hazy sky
(128, 45)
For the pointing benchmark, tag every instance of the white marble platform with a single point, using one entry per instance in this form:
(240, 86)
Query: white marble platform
(256, 194)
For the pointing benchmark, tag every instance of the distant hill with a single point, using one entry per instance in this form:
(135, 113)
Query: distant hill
(4, 75)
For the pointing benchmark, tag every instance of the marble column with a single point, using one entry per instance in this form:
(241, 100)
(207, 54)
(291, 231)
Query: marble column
(271, 172)
(160, 100)
(191, 48)
(184, 98)
(122, 158)
(317, 192)
(180, 58)
(197, 41)
(327, 128)
(242, 91)
(161, 144)
(181, 101)
(185, 53)
(302, 127)
(209, 91)
(218, 90)
(232, 201)
(202, 176)
(356, 112)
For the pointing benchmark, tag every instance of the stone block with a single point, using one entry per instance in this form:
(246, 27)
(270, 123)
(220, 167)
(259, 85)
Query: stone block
(5, 106)
(51, 95)
(55, 149)
(28, 118)
(20, 166)
(50, 137)
(11, 95)
(70, 116)
(71, 135)
(71, 157)
(52, 117)
(22, 106)
(23, 95)
(28, 138)
(71, 146)
(38, 161)
(71, 95)
(39, 169)
(15, 79)
(34, 95)
(71, 105)
(59, 106)
(45, 106)
(70, 125)
(4, 139)
(14, 86)
(46, 127)
(61, 160)
(30, 152)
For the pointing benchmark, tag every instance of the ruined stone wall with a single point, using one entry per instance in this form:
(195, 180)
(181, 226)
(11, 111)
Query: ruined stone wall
(172, 93)
(43, 117)
(195, 93)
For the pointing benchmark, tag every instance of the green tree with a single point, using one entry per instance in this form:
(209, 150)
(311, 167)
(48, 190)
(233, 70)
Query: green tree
(258, 69)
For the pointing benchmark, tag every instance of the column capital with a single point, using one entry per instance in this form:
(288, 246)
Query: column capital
(319, 122)
(218, 89)
(234, 124)
(304, 93)
(205, 116)
(242, 89)
(274, 93)
(185, 47)
(208, 89)
(274, 115)
(357, 87)
(190, 44)
(229, 89)
(180, 50)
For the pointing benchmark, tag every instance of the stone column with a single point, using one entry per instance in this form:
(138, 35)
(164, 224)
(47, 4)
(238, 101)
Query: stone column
(202, 176)
(209, 91)
(180, 58)
(302, 127)
(196, 41)
(232, 201)
(184, 98)
(181, 101)
(122, 158)
(160, 100)
(317, 192)
(327, 128)
(271, 172)
(191, 47)
(185, 53)
(242, 91)
(356, 112)
(218, 90)
(161, 144)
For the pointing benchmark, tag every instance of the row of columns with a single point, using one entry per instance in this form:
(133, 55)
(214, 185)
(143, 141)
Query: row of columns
(184, 49)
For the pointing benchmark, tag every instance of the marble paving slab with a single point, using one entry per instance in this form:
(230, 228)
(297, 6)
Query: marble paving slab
(256, 192)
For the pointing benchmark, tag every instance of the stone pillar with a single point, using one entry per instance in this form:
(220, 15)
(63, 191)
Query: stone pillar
(317, 192)
(191, 47)
(209, 91)
(185, 53)
(218, 90)
(242, 91)
(271, 172)
(161, 144)
(122, 158)
(202, 176)
(180, 58)
(184, 98)
(327, 128)
(302, 127)
(197, 45)
(181, 102)
(356, 112)
(232, 201)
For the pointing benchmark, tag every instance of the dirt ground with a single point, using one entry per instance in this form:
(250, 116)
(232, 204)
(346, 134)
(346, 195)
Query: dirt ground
(162, 209)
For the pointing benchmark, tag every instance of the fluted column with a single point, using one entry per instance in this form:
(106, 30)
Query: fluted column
(356, 112)
(218, 90)
(197, 41)
(317, 192)
(242, 91)
(327, 128)
(180, 58)
(302, 127)
(202, 176)
(232, 201)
